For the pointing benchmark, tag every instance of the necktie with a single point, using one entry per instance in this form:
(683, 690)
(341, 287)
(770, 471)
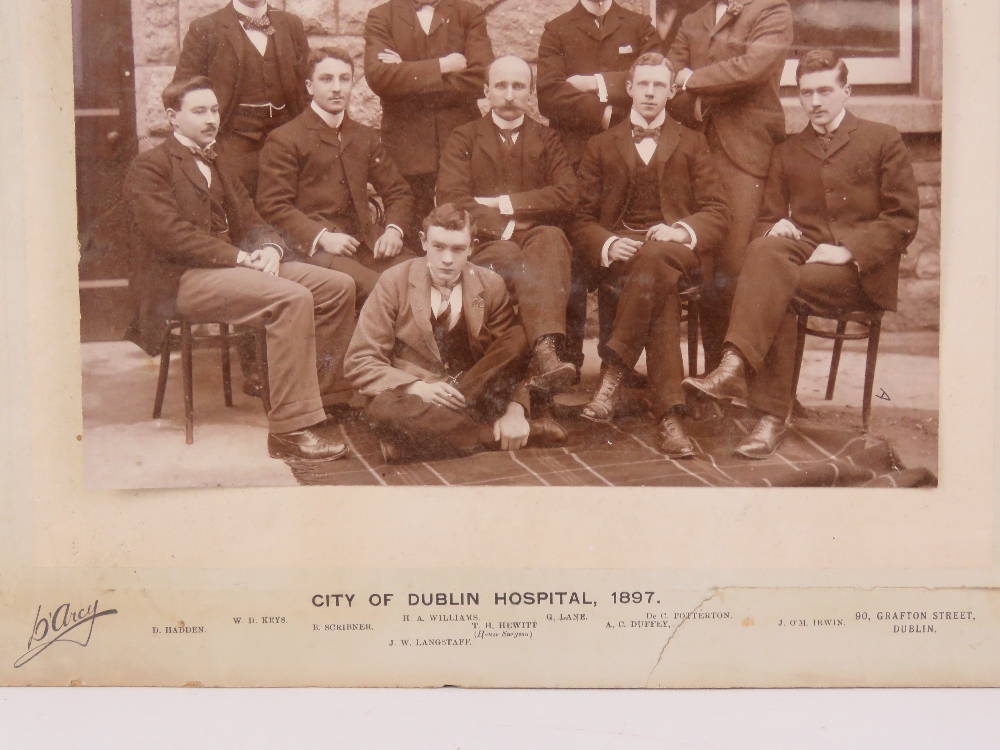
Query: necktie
(825, 139)
(441, 318)
(207, 154)
(639, 133)
(418, 4)
(507, 137)
(260, 24)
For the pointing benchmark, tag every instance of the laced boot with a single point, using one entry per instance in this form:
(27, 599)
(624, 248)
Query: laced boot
(602, 405)
(546, 372)
(727, 382)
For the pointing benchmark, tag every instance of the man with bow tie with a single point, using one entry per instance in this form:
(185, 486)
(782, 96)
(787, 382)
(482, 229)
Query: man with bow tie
(439, 352)
(729, 55)
(840, 207)
(514, 176)
(202, 252)
(652, 204)
(426, 60)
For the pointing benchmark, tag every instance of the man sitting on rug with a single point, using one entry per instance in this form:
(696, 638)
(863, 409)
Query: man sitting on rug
(652, 202)
(840, 207)
(440, 354)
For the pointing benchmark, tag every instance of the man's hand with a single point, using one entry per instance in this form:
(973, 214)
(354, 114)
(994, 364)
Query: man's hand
(488, 202)
(389, 57)
(389, 245)
(586, 84)
(665, 233)
(336, 243)
(786, 229)
(512, 429)
(682, 77)
(438, 394)
(453, 63)
(833, 255)
(623, 249)
(266, 259)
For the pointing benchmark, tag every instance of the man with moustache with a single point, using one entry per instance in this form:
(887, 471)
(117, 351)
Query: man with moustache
(203, 253)
(512, 174)
(840, 207)
(314, 176)
(652, 203)
(439, 352)
(426, 60)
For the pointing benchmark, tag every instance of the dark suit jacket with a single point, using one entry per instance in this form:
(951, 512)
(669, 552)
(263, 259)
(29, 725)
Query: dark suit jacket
(420, 105)
(295, 163)
(571, 45)
(214, 46)
(860, 193)
(737, 68)
(170, 228)
(690, 188)
(393, 344)
(470, 167)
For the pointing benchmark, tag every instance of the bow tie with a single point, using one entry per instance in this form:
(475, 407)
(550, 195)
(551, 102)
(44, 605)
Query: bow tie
(507, 135)
(260, 24)
(418, 4)
(207, 154)
(639, 133)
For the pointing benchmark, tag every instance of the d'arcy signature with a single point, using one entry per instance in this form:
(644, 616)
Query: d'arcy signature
(65, 624)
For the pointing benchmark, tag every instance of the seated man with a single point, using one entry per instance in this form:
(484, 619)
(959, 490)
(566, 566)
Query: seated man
(840, 207)
(202, 252)
(652, 201)
(513, 176)
(314, 175)
(440, 353)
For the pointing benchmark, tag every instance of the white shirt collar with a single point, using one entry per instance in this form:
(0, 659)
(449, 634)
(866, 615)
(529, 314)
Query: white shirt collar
(188, 142)
(246, 10)
(638, 119)
(334, 121)
(507, 124)
(597, 7)
(833, 125)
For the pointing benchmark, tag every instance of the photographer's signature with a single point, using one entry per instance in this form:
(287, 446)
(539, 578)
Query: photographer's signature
(65, 624)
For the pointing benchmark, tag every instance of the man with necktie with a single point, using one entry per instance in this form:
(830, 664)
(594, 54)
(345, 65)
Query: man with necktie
(439, 352)
(426, 60)
(729, 56)
(512, 174)
(203, 253)
(652, 203)
(840, 207)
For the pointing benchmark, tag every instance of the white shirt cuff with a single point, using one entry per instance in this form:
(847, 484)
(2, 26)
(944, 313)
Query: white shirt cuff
(606, 250)
(240, 257)
(694, 237)
(508, 231)
(397, 228)
(606, 120)
(602, 89)
(506, 209)
(315, 244)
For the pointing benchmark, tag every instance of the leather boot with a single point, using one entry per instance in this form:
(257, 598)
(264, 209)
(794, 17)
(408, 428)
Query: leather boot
(673, 442)
(602, 405)
(727, 382)
(764, 438)
(545, 433)
(304, 444)
(546, 372)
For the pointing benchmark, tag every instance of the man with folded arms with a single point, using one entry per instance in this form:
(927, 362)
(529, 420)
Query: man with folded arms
(513, 176)
(840, 207)
(652, 202)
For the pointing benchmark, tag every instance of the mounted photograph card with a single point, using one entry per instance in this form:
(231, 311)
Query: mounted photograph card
(348, 344)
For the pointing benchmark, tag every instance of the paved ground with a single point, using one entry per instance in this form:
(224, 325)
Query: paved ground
(125, 448)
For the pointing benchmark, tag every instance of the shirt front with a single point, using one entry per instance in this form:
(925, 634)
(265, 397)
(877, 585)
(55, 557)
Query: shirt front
(257, 37)
(506, 209)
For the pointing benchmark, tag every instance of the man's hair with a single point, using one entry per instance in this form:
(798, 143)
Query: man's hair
(320, 54)
(451, 217)
(651, 58)
(173, 95)
(819, 60)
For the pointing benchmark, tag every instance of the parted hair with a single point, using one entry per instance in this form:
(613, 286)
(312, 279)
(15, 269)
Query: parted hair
(651, 58)
(320, 54)
(173, 95)
(451, 217)
(819, 60)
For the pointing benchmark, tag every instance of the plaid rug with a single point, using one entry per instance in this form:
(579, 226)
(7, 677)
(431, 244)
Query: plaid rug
(623, 454)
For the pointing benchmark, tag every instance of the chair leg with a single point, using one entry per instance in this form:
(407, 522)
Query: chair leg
(161, 384)
(692, 335)
(260, 343)
(874, 332)
(187, 366)
(227, 377)
(838, 347)
(800, 347)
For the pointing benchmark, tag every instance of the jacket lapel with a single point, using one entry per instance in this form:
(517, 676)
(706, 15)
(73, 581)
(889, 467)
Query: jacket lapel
(188, 167)
(612, 20)
(625, 144)
(534, 148)
(403, 11)
(473, 306)
(235, 33)
(442, 16)
(420, 301)
(486, 139)
(842, 135)
(584, 21)
(669, 138)
(283, 49)
(355, 164)
(727, 18)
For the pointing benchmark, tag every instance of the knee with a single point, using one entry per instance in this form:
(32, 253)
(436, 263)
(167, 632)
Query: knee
(551, 238)
(337, 288)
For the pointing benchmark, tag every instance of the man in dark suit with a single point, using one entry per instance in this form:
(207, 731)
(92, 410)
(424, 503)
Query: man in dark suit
(652, 202)
(583, 58)
(513, 175)
(255, 57)
(426, 59)
(203, 253)
(840, 208)
(439, 352)
(314, 176)
(729, 57)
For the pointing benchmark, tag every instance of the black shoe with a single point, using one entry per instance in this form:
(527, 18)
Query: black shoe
(673, 442)
(252, 387)
(602, 405)
(545, 433)
(341, 414)
(727, 382)
(764, 439)
(546, 372)
(392, 453)
(304, 444)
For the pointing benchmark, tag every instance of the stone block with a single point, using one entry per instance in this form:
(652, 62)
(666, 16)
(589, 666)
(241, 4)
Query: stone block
(516, 26)
(365, 105)
(318, 16)
(151, 120)
(927, 172)
(353, 14)
(930, 196)
(154, 31)
(928, 266)
(188, 10)
(928, 237)
(355, 45)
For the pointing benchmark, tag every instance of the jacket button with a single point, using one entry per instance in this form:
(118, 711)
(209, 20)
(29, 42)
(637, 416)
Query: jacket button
(829, 191)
